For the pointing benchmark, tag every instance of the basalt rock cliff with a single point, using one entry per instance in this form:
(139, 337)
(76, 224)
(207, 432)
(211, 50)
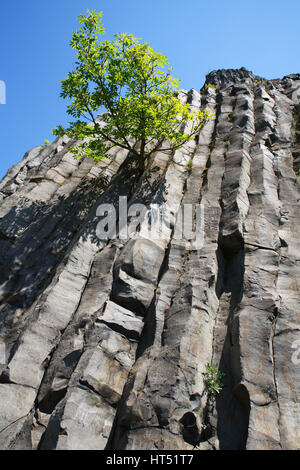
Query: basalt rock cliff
(103, 343)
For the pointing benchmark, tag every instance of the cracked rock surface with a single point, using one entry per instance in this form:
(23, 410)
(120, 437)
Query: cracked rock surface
(104, 342)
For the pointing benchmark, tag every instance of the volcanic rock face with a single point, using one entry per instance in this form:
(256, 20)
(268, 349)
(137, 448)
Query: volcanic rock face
(104, 342)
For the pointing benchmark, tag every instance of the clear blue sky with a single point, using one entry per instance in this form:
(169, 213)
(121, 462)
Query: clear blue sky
(197, 36)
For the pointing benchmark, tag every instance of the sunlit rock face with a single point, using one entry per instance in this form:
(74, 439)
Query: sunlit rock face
(104, 342)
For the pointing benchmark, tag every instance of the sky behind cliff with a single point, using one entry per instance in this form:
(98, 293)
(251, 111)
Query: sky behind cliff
(197, 36)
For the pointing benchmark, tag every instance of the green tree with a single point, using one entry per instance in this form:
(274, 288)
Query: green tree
(128, 83)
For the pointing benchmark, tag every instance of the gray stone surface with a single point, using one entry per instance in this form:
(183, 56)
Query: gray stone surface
(104, 342)
(122, 320)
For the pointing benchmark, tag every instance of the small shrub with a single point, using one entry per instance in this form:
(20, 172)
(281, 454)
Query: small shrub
(210, 85)
(189, 164)
(264, 82)
(213, 379)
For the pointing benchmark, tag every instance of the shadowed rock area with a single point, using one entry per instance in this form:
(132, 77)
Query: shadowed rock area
(104, 342)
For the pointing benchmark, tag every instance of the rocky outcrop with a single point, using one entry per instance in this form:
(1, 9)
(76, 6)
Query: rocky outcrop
(104, 341)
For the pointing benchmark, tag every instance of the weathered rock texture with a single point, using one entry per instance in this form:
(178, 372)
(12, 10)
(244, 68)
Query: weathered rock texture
(106, 341)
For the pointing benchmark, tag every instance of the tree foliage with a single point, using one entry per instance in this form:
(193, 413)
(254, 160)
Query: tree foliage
(127, 82)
